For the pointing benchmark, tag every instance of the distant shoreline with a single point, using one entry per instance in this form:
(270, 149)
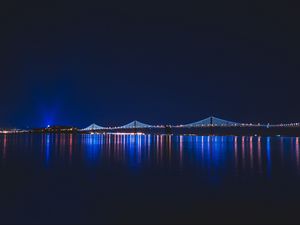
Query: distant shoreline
(215, 130)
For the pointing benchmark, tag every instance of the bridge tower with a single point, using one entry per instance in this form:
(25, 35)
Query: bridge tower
(134, 127)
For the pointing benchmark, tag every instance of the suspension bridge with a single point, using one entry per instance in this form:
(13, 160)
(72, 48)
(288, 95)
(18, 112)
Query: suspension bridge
(208, 122)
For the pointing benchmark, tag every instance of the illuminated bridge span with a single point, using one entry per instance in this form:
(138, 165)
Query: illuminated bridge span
(132, 125)
(136, 124)
(93, 127)
(207, 122)
(211, 121)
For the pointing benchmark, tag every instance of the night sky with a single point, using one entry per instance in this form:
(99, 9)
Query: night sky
(74, 63)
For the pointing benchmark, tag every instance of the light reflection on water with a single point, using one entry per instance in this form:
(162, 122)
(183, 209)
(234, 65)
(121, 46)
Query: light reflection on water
(215, 154)
(87, 176)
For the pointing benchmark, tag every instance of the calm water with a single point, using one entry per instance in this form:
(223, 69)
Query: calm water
(148, 179)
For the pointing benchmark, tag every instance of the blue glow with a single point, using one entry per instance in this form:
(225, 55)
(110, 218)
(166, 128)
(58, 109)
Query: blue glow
(93, 145)
(268, 156)
(47, 148)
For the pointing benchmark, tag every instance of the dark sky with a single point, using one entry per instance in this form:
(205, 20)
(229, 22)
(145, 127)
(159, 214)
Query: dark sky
(75, 63)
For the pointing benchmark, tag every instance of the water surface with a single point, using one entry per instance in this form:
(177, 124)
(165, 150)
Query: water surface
(61, 178)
